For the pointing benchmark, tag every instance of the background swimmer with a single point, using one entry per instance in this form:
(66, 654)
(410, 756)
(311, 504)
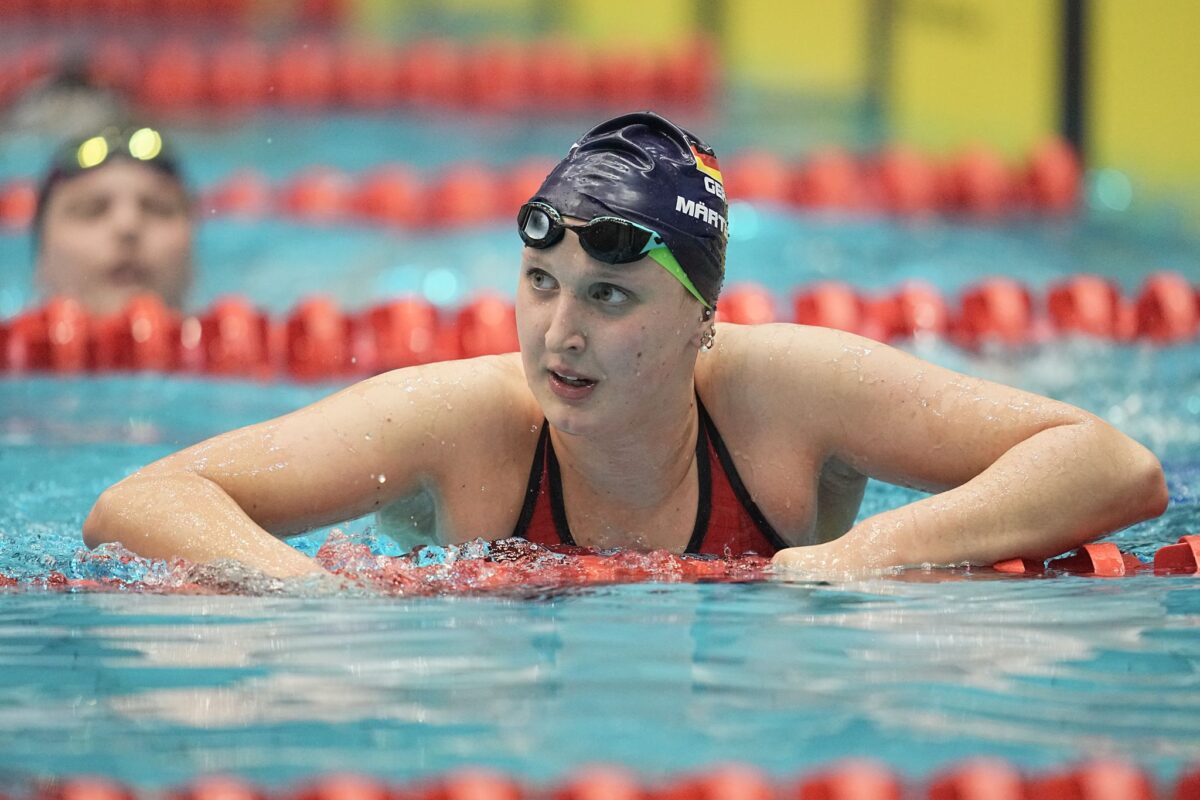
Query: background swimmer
(627, 421)
(113, 221)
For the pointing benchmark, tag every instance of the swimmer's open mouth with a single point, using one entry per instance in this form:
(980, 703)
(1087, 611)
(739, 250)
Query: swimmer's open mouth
(571, 380)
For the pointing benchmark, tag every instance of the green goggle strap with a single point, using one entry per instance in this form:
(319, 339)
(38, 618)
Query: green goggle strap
(666, 258)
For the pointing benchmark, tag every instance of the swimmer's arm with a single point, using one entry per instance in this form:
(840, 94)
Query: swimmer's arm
(1018, 474)
(340, 458)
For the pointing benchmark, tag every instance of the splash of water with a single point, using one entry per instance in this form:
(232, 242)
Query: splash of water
(355, 568)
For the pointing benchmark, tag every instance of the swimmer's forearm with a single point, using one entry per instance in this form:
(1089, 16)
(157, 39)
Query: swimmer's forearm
(187, 516)
(1058, 489)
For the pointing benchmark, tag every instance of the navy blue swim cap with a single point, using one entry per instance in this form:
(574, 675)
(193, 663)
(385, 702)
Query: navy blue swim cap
(644, 168)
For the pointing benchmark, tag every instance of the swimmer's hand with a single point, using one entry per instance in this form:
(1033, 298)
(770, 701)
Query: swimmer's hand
(832, 560)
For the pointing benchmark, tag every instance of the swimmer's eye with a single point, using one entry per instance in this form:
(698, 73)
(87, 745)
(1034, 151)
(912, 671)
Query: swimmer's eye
(610, 295)
(88, 207)
(541, 281)
(163, 206)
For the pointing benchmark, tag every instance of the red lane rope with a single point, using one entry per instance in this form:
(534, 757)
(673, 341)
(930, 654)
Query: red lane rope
(545, 76)
(894, 181)
(974, 779)
(318, 341)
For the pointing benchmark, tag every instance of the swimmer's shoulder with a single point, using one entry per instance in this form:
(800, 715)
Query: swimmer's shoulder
(485, 397)
(778, 374)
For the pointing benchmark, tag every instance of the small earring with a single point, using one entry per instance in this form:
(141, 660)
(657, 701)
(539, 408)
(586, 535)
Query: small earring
(708, 337)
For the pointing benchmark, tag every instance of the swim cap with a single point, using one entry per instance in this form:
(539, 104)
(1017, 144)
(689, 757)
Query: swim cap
(142, 145)
(644, 168)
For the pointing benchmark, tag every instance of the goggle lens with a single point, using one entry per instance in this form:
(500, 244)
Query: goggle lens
(536, 224)
(609, 239)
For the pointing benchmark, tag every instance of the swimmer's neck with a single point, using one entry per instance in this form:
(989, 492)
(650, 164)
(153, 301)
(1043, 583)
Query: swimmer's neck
(643, 464)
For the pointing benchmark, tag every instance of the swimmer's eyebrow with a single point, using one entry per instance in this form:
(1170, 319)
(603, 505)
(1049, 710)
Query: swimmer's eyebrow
(602, 270)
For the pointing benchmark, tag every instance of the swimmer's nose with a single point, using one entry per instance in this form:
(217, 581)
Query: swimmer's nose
(126, 220)
(565, 333)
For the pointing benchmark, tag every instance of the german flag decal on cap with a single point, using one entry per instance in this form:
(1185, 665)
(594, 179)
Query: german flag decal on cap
(707, 163)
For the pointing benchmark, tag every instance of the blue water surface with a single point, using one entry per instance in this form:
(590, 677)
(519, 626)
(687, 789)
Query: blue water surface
(917, 670)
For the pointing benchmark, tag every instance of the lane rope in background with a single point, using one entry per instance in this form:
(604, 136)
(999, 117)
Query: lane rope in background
(897, 181)
(177, 74)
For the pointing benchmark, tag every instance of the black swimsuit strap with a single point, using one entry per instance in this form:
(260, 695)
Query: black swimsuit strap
(534, 487)
(735, 482)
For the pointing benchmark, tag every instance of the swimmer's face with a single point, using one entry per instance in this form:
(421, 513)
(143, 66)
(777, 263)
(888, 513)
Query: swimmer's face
(114, 232)
(600, 343)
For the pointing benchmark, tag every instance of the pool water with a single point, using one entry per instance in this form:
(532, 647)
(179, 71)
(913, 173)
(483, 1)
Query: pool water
(275, 683)
(917, 670)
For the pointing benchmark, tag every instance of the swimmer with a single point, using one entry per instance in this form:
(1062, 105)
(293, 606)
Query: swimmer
(630, 418)
(113, 221)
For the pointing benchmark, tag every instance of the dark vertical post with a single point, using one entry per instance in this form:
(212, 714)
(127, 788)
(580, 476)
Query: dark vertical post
(880, 33)
(1073, 122)
(711, 19)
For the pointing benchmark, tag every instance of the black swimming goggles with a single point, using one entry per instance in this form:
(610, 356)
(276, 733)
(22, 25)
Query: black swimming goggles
(609, 239)
(612, 240)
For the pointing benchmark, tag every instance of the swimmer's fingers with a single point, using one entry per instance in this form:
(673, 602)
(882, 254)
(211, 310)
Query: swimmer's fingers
(822, 561)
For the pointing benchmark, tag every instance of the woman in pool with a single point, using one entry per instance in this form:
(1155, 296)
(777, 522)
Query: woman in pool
(647, 429)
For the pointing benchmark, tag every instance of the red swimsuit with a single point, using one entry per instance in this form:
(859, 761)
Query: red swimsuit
(727, 520)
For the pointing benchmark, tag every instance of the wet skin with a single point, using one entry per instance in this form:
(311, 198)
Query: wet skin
(611, 357)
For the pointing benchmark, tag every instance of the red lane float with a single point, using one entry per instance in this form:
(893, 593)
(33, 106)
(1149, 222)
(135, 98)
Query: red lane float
(997, 309)
(1092, 306)
(244, 194)
(1021, 566)
(908, 183)
(18, 202)
(217, 787)
(746, 305)
(145, 336)
(1098, 780)
(403, 333)
(318, 341)
(1168, 309)
(487, 326)
(915, 310)
(188, 73)
(976, 779)
(175, 77)
(731, 782)
(232, 339)
(831, 304)
(1182, 558)
(469, 194)
(599, 783)
(54, 338)
(240, 76)
(853, 780)
(1102, 559)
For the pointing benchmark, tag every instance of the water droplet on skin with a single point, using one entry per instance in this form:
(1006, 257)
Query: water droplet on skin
(367, 436)
(533, 428)
(383, 479)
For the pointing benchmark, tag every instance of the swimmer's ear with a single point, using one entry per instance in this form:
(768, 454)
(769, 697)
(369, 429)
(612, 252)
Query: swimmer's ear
(706, 330)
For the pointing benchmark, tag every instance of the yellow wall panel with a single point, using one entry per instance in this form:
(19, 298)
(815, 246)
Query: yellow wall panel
(975, 71)
(1145, 72)
(809, 45)
(607, 23)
